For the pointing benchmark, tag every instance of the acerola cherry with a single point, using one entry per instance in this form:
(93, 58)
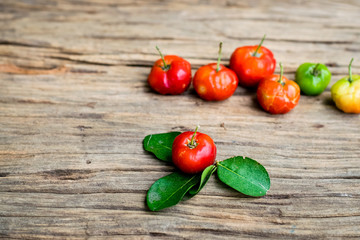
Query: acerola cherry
(192, 152)
(215, 82)
(170, 75)
(277, 94)
(346, 93)
(252, 64)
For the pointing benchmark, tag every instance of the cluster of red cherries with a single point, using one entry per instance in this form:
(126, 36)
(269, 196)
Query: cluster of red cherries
(250, 67)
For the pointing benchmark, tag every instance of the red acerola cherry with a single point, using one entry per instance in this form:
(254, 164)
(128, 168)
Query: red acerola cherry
(170, 75)
(215, 82)
(252, 64)
(277, 94)
(192, 152)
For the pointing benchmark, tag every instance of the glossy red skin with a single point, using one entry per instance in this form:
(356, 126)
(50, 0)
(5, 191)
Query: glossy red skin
(275, 98)
(215, 86)
(173, 81)
(194, 160)
(249, 69)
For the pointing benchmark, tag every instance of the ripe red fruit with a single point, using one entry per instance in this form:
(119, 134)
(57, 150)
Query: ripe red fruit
(252, 64)
(277, 94)
(170, 75)
(192, 152)
(215, 82)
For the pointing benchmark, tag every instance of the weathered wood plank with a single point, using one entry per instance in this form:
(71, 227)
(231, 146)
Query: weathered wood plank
(75, 106)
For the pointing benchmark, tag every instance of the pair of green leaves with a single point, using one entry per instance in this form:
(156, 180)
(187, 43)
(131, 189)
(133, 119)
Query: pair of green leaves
(241, 173)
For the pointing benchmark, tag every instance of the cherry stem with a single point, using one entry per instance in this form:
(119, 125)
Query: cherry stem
(219, 58)
(162, 57)
(257, 49)
(350, 73)
(192, 143)
(281, 75)
(315, 72)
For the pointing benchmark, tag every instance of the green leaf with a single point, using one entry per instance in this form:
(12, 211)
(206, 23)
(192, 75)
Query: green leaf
(244, 175)
(161, 145)
(205, 176)
(169, 190)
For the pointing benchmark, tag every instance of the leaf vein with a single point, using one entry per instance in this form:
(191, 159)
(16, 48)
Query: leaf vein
(149, 140)
(177, 190)
(243, 177)
(165, 146)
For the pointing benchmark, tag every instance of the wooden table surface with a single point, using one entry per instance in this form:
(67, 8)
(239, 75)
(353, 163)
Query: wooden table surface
(75, 106)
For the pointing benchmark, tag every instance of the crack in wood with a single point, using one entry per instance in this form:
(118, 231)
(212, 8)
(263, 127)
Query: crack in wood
(82, 127)
(37, 44)
(4, 174)
(83, 61)
(68, 174)
(11, 68)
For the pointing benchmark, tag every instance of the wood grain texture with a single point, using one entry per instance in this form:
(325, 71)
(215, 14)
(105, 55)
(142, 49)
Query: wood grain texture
(75, 107)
